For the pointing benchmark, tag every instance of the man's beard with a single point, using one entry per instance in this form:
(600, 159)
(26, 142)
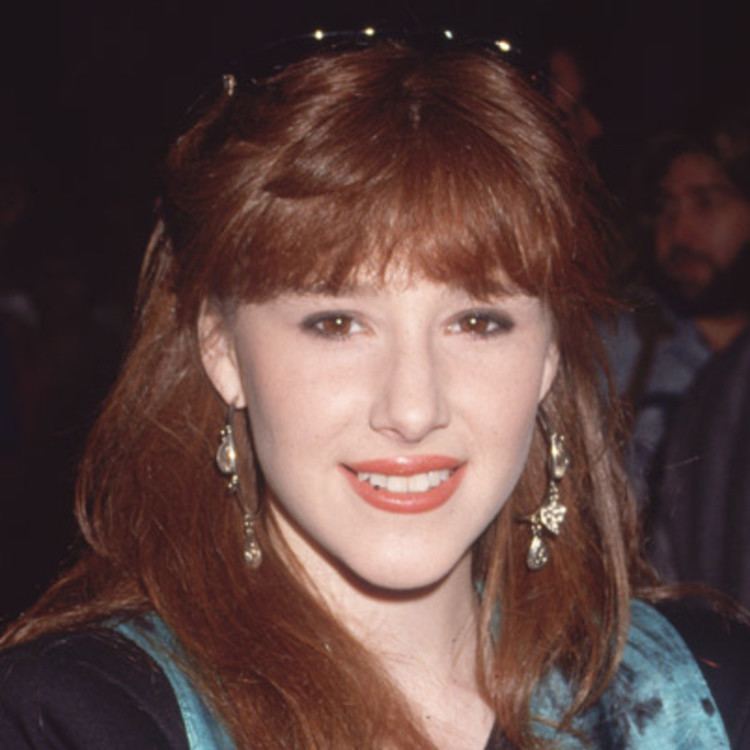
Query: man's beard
(726, 293)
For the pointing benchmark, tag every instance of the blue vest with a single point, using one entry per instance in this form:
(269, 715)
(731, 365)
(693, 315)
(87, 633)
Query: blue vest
(203, 730)
(657, 700)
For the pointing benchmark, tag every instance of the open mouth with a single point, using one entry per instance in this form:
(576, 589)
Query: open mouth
(414, 483)
(400, 487)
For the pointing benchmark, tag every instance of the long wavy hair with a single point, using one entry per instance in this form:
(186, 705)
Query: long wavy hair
(447, 162)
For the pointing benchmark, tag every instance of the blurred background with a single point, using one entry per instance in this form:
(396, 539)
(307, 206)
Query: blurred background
(92, 92)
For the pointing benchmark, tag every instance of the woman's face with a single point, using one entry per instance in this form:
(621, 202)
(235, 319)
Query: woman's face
(391, 423)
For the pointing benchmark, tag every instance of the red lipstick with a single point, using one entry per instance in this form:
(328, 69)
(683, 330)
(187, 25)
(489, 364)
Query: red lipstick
(449, 472)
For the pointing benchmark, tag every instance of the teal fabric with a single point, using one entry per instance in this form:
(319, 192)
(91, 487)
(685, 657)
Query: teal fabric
(657, 700)
(203, 731)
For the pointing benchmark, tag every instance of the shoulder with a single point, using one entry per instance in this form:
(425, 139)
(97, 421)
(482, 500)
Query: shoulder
(721, 649)
(718, 393)
(660, 696)
(729, 363)
(87, 689)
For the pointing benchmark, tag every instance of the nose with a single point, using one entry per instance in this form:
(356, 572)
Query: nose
(591, 125)
(410, 402)
(677, 227)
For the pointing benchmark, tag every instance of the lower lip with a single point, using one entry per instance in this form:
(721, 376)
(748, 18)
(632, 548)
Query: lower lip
(407, 502)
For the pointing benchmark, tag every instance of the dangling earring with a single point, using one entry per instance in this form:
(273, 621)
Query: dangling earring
(226, 461)
(551, 514)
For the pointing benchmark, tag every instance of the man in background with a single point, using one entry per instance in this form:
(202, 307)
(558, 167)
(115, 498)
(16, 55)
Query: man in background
(699, 269)
(702, 234)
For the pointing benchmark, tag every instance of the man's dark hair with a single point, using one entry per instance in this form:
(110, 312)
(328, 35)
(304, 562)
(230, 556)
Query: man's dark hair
(725, 139)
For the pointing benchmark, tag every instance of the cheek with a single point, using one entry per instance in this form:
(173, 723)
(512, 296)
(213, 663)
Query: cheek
(509, 422)
(500, 401)
(500, 421)
(295, 409)
(662, 240)
(729, 236)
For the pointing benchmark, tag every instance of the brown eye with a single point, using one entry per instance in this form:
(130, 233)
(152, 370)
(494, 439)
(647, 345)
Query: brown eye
(476, 324)
(340, 325)
(482, 324)
(332, 325)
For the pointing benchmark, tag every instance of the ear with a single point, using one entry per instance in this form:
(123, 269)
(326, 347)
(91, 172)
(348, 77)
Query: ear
(549, 371)
(219, 356)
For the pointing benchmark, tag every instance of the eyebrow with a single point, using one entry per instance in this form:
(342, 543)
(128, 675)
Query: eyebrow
(703, 188)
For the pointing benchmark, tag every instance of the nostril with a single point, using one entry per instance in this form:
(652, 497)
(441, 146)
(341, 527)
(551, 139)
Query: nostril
(410, 401)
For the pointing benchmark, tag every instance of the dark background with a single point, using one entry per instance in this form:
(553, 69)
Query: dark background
(91, 93)
(95, 88)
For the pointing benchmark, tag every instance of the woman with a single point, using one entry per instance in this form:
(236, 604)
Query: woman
(369, 295)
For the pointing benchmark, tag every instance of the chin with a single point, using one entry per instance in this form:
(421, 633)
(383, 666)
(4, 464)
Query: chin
(409, 573)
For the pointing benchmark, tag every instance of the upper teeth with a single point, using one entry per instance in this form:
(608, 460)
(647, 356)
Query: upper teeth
(413, 483)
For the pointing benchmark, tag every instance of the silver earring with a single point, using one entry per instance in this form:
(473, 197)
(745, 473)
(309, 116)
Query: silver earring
(226, 455)
(226, 462)
(551, 514)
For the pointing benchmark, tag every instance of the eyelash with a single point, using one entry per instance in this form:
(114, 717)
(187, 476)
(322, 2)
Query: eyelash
(482, 324)
(494, 323)
(341, 325)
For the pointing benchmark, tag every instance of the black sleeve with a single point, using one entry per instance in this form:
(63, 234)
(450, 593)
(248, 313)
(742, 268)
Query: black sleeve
(721, 648)
(85, 691)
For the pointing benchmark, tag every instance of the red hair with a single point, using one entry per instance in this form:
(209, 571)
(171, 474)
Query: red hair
(450, 165)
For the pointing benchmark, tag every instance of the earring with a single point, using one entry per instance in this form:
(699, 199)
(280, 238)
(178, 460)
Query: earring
(226, 455)
(551, 514)
(226, 462)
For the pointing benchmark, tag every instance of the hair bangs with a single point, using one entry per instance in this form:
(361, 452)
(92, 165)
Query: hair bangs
(403, 177)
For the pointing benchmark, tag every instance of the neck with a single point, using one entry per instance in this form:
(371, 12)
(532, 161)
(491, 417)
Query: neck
(427, 643)
(429, 626)
(720, 332)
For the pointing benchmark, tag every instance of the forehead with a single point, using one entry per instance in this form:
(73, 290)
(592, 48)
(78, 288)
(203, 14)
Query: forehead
(406, 268)
(694, 172)
(567, 77)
